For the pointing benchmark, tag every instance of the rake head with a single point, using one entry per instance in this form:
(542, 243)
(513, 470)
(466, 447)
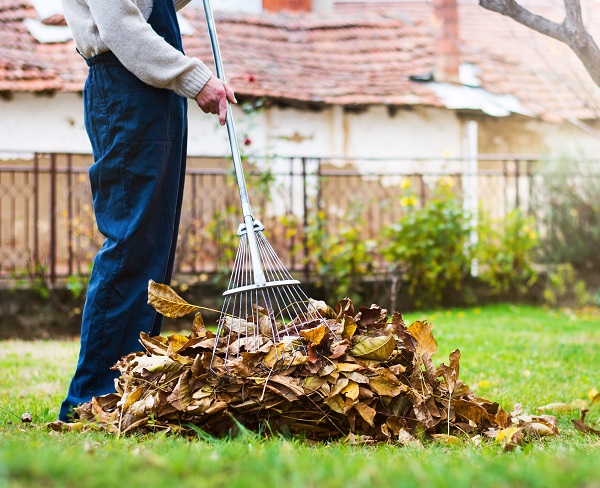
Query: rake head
(258, 312)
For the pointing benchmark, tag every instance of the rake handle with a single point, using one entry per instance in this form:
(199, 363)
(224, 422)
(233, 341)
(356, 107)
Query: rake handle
(259, 275)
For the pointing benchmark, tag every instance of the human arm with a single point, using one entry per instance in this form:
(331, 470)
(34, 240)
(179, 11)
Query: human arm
(123, 29)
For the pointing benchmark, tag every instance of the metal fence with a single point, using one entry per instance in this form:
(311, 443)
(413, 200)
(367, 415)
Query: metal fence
(47, 224)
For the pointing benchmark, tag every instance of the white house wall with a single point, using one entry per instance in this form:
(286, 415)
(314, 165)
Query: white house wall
(55, 124)
(33, 123)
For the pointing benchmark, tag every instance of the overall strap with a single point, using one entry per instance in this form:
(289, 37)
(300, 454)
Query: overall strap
(163, 20)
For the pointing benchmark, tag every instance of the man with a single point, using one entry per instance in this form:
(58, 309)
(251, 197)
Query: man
(135, 107)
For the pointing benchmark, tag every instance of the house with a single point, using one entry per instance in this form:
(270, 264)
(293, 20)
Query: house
(378, 87)
(362, 79)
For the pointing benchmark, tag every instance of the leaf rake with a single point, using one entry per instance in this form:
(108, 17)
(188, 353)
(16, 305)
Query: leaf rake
(263, 304)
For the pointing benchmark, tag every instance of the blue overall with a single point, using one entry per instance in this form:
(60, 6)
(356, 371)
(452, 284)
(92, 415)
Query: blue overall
(139, 140)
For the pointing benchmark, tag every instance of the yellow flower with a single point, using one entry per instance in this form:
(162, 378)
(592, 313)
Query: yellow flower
(408, 201)
(446, 182)
(406, 183)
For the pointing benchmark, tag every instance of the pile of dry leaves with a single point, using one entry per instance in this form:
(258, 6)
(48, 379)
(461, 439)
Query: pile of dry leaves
(363, 378)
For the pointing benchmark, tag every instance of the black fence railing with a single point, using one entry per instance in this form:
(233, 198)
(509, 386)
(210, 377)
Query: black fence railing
(47, 224)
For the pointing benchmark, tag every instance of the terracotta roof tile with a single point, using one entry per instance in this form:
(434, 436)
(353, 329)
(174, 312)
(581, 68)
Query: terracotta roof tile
(359, 55)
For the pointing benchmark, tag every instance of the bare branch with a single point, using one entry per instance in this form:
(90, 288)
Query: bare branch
(512, 9)
(571, 31)
(573, 12)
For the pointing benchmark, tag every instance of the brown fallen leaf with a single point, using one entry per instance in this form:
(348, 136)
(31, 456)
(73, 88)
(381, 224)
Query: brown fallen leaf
(315, 335)
(60, 426)
(555, 407)
(510, 438)
(166, 302)
(348, 327)
(421, 331)
(581, 426)
(324, 310)
(366, 412)
(372, 317)
(379, 348)
(446, 439)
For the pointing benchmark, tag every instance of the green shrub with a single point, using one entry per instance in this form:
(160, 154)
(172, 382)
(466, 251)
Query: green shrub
(505, 253)
(429, 246)
(339, 259)
(564, 288)
(568, 214)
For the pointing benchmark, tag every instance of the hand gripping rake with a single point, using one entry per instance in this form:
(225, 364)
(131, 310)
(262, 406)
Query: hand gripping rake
(263, 302)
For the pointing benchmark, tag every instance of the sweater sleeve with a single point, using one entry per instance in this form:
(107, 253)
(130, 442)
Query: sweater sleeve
(142, 51)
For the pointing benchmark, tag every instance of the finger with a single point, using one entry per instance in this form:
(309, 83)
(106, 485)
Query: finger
(230, 94)
(222, 110)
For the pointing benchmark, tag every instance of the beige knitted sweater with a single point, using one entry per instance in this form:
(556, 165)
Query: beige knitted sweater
(121, 26)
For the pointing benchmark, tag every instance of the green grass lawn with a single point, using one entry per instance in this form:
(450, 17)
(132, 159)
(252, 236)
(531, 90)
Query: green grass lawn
(510, 354)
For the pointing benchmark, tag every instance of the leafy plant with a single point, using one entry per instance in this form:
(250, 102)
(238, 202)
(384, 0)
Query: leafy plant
(505, 252)
(34, 277)
(340, 258)
(568, 214)
(222, 230)
(429, 245)
(563, 287)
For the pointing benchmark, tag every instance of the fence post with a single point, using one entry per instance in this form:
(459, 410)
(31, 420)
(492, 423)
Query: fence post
(305, 220)
(530, 184)
(195, 225)
(470, 183)
(70, 211)
(290, 210)
(517, 173)
(36, 207)
(53, 255)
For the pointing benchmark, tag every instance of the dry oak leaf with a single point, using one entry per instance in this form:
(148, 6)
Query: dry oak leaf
(581, 426)
(421, 331)
(510, 437)
(155, 364)
(345, 307)
(166, 302)
(348, 327)
(154, 345)
(385, 383)
(446, 439)
(378, 348)
(315, 335)
(366, 412)
(555, 407)
(372, 317)
(322, 308)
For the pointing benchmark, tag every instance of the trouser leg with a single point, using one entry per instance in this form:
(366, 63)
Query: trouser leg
(137, 190)
(157, 326)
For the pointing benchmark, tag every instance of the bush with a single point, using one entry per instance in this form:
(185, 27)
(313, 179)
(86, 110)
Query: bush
(340, 259)
(429, 246)
(505, 253)
(568, 214)
(564, 288)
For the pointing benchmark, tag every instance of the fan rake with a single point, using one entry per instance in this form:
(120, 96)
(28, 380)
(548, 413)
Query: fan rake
(263, 303)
